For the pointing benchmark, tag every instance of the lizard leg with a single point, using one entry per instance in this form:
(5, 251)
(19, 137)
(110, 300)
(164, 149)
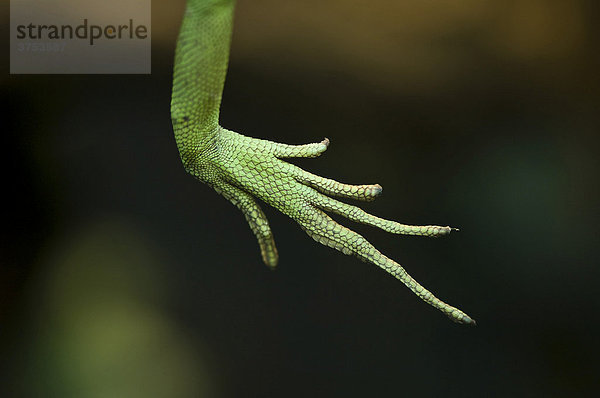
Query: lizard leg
(326, 231)
(357, 214)
(365, 192)
(298, 151)
(256, 219)
(354, 213)
(279, 150)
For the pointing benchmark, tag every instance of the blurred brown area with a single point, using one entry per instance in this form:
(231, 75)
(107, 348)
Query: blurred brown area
(122, 276)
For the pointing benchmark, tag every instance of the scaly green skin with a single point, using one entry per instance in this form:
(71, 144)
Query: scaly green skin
(243, 168)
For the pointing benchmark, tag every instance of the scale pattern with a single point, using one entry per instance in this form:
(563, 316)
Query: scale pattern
(244, 169)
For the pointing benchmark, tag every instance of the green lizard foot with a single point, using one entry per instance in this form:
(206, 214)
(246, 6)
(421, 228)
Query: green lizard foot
(243, 168)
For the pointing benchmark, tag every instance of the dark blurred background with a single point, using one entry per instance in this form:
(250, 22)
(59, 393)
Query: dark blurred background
(121, 276)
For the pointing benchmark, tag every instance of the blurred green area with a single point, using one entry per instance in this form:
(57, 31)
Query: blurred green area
(99, 325)
(121, 276)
